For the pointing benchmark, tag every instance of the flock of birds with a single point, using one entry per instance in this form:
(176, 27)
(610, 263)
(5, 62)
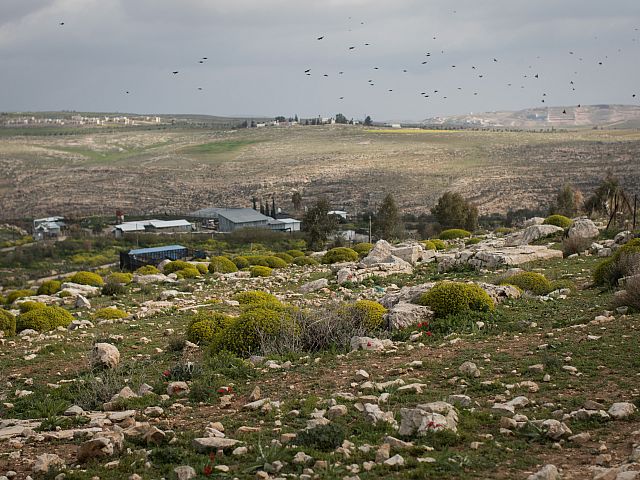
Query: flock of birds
(473, 69)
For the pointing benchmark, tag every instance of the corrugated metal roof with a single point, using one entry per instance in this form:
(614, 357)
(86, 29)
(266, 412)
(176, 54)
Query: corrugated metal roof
(169, 223)
(133, 226)
(211, 212)
(242, 215)
(289, 220)
(166, 248)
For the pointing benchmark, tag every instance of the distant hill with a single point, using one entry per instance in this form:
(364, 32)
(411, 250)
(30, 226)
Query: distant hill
(610, 116)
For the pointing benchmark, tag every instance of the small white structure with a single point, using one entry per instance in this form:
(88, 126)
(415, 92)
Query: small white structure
(153, 226)
(339, 213)
(285, 224)
(49, 227)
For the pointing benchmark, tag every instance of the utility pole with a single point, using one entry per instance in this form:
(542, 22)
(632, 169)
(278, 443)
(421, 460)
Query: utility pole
(369, 228)
(635, 210)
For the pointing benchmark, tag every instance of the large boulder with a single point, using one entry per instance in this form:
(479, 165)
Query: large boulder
(403, 315)
(406, 294)
(153, 278)
(419, 421)
(380, 253)
(531, 234)
(105, 355)
(75, 289)
(583, 228)
(315, 285)
(413, 253)
(103, 444)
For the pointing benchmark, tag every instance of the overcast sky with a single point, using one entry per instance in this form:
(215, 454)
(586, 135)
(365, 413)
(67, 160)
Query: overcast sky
(258, 50)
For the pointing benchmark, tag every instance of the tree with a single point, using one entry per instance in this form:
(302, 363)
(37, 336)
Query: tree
(566, 202)
(367, 121)
(296, 199)
(453, 211)
(340, 118)
(295, 119)
(387, 223)
(318, 224)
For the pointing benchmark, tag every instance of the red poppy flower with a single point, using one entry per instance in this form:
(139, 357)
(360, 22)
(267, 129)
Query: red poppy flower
(208, 470)
(166, 373)
(429, 334)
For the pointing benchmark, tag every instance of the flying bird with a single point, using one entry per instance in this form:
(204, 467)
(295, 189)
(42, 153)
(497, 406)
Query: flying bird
(61, 23)
(199, 88)
(176, 72)
(352, 48)
(307, 71)
(320, 38)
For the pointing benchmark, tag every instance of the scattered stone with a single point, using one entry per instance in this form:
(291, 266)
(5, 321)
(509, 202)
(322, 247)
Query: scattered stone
(105, 355)
(185, 472)
(177, 388)
(256, 394)
(622, 410)
(82, 302)
(361, 376)
(213, 444)
(383, 453)
(46, 461)
(583, 228)
(153, 411)
(240, 451)
(555, 429)
(301, 458)
(404, 314)
(73, 411)
(314, 285)
(395, 461)
(469, 369)
(548, 472)
(337, 411)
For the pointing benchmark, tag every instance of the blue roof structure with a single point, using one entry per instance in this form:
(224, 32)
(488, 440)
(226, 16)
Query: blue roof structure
(166, 248)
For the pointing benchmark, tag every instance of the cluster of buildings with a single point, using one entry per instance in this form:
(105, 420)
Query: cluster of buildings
(227, 220)
(77, 120)
(48, 228)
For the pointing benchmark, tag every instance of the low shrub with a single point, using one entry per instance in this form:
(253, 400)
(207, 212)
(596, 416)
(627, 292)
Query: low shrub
(532, 282)
(113, 289)
(325, 438)
(451, 298)
(305, 261)
(561, 284)
(429, 245)
(439, 244)
(454, 233)
(572, 245)
(295, 253)
(206, 325)
(147, 270)
(369, 313)
(87, 278)
(241, 262)
(558, 220)
(630, 297)
(189, 272)
(472, 241)
(49, 287)
(275, 262)
(243, 335)
(202, 268)
(254, 296)
(7, 323)
(260, 260)
(222, 265)
(504, 230)
(44, 319)
(16, 294)
(110, 313)
(339, 255)
(29, 305)
(176, 265)
(122, 278)
(260, 271)
(363, 248)
(284, 256)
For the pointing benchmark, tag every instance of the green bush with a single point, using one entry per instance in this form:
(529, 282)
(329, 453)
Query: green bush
(110, 313)
(562, 284)
(275, 262)
(439, 244)
(533, 282)
(369, 313)
(222, 265)
(87, 278)
(28, 306)
(49, 287)
(260, 260)
(363, 248)
(121, 278)
(243, 335)
(284, 256)
(112, 289)
(606, 273)
(304, 261)
(472, 241)
(295, 253)
(7, 323)
(189, 272)
(503, 230)
(260, 271)
(453, 233)
(16, 294)
(450, 298)
(147, 270)
(623, 262)
(429, 245)
(44, 319)
(206, 325)
(241, 262)
(325, 438)
(558, 220)
(176, 265)
(339, 255)
(202, 268)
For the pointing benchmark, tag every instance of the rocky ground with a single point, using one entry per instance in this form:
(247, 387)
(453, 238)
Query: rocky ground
(548, 388)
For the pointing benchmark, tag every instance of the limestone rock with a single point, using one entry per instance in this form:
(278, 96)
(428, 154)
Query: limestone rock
(177, 388)
(622, 410)
(469, 369)
(380, 253)
(212, 444)
(548, 472)
(315, 285)
(583, 228)
(403, 315)
(530, 234)
(105, 355)
(555, 429)
(395, 461)
(46, 461)
(185, 472)
(82, 302)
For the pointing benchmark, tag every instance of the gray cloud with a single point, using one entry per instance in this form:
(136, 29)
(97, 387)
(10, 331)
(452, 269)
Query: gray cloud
(258, 50)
